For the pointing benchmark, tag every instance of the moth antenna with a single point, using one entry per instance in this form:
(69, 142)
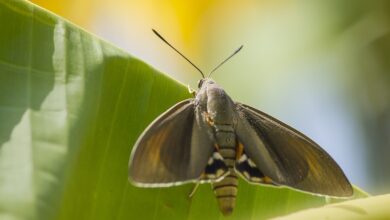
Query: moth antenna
(163, 39)
(234, 53)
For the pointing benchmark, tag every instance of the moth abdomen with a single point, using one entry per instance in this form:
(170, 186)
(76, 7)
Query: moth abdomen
(226, 189)
(226, 193)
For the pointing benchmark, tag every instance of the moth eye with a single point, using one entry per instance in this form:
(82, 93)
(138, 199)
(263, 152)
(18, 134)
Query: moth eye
(200, 83)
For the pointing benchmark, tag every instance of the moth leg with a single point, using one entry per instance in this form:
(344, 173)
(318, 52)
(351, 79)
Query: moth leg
(239, 150)
(209, 120)
(216, 146)
(268, 180)
(191, 91)
(192, 193)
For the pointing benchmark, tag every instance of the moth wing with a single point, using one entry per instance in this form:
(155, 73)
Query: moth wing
(248, 170)
(172, 150)
(298, 161)
(216, 168)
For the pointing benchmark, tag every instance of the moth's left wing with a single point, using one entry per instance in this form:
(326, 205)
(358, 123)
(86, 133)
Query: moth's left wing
(174, 149)
(296, 160)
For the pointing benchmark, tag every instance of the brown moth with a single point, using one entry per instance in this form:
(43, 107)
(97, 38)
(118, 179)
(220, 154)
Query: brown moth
(212, 139)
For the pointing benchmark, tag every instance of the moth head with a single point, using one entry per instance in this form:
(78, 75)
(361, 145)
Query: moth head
(200, 83)
(205, 81)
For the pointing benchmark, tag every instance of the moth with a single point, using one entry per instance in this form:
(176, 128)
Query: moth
(212, 139)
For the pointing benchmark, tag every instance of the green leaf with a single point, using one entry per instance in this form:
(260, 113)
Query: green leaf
(376, 207)
(71, 108)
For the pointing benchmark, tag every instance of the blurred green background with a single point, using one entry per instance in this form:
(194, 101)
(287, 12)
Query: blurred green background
(321, 66)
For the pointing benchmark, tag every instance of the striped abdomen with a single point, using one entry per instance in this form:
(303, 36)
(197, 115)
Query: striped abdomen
(226, 189)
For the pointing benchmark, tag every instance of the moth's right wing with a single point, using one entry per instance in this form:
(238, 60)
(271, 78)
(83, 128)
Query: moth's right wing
(287, 156)
(174, 149)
